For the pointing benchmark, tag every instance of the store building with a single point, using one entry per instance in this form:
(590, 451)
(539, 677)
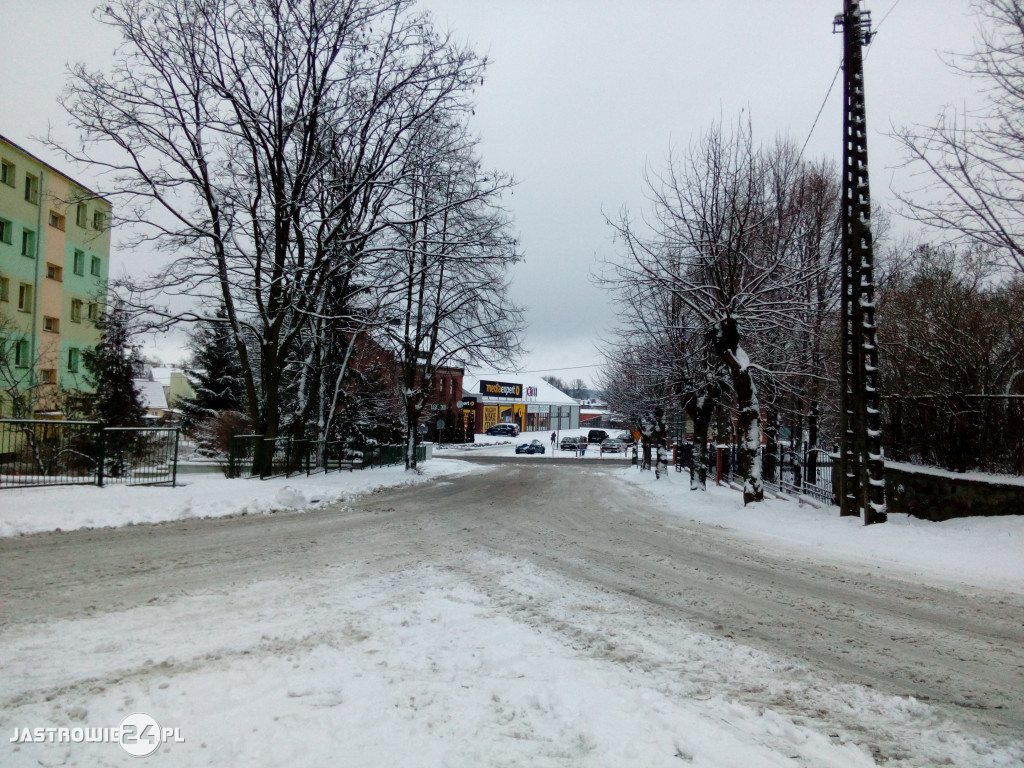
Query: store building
(491, 398)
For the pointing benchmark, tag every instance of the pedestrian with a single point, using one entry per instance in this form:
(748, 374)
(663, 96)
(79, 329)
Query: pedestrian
(553, 441)
(583, 446)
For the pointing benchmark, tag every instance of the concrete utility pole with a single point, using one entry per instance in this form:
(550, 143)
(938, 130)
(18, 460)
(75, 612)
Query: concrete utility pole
(862, 478)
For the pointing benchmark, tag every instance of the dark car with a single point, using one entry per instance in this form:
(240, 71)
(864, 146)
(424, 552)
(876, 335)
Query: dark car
(627, 438)
(596, 436)
(569, 444)
(508, 430)
(535, 446)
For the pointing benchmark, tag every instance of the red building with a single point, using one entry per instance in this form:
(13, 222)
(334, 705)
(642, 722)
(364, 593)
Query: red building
(441, 416)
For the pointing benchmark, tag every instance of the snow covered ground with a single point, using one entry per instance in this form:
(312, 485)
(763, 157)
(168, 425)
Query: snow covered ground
(68, 508)
(980, 551)
(422, 667)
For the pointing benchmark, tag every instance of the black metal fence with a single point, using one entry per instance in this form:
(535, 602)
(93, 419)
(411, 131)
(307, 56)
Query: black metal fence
(793, 472)
(389, 455)
(257, 456)
(35, 452)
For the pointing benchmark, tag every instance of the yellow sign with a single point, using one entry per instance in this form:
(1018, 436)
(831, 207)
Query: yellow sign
(490, 416)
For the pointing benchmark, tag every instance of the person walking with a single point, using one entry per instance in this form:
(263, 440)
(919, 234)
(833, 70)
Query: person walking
(553, 439)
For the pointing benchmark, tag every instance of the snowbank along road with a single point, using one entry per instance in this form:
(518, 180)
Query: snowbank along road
(609, 573)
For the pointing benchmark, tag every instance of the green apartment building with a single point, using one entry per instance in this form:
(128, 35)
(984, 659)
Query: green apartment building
(54, 261)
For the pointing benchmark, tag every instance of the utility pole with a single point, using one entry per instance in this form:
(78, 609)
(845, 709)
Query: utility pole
(862, 478)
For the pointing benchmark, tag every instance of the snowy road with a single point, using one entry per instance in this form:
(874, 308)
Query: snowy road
(676, 605)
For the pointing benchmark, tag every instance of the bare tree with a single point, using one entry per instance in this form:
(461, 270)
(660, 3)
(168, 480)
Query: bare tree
(725, 259)
(954, 350)
(259, 144)
(447, 298)
(974, 162)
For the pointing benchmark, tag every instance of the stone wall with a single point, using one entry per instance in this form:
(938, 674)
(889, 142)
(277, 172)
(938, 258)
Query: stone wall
(940, 497)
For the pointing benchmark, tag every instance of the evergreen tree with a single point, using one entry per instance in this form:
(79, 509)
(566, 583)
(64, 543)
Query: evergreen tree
(111, 368)
(214, 373)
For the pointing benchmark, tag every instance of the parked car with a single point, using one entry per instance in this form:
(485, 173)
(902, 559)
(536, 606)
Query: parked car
(613, 445)
(596, 436)
(508, 430)
(627, 438)
(534, 446)
(569, 444)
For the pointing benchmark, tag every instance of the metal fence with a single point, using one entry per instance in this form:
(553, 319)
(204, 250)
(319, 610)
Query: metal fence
(36, 452)
(389, 455)
(265, 458)
(796, 473)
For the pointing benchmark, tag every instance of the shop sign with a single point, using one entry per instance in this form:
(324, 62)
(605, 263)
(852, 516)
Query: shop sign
(536, 409)
(501, 389)
(531, 392)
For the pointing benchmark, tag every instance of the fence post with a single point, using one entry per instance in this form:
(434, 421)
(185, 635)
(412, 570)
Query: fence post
(231, 456)
(174, 467)
(101, 447)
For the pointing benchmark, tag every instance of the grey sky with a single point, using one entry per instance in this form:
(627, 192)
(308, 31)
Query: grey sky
(580, 96)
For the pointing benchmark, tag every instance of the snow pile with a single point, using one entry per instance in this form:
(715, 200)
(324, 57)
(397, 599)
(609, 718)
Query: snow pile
(984, 551)
(31, 510)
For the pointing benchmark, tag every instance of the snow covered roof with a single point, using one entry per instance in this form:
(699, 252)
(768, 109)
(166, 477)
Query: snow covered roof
(545, 392)
(152, 394)
(162, 373)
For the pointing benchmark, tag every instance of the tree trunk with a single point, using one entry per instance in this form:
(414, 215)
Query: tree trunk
(749, 428)
(700, 409)
(726, 339)
(412, 417)
(661, 441)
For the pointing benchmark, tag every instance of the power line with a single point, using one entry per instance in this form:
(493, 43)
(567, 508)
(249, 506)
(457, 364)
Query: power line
(569, 368)
(836, 77)
(822, 107)
(893, 8)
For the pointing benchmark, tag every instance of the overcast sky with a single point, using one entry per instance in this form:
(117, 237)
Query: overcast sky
(580, 97)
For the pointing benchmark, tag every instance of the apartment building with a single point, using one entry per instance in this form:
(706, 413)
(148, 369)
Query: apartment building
(54, 262)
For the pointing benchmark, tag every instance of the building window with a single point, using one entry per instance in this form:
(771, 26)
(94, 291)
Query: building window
(76, 310)
(28, 243)
(93, 311)
(56, 220)
(25, 297)
(21, 354)
(51, 324)
(81, 215)
(32, 188)
(79, 262)
(5, 288)
(94, 268)
(5, 231)
(74, 356)
(48, 376)
(99, 221)
(54, 272)
(7, 173)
